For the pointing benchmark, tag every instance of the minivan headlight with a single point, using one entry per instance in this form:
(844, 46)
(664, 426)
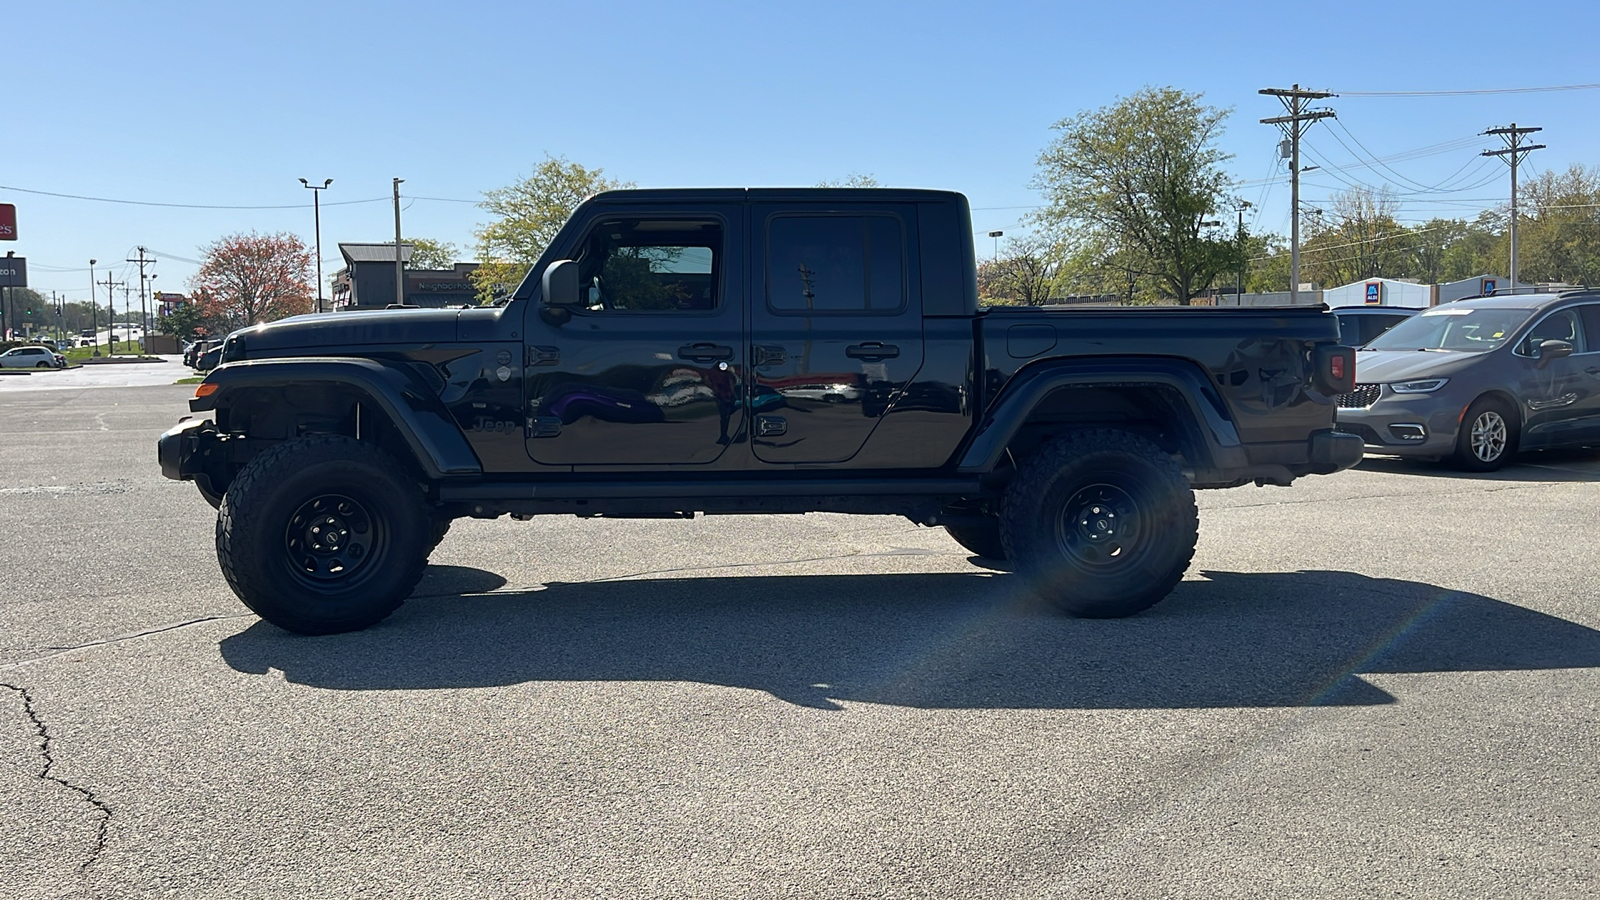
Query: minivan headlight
(1425, 386)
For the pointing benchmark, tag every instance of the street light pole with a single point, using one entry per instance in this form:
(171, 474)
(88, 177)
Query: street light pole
(94, 312)
(996, 235)
(316, 213)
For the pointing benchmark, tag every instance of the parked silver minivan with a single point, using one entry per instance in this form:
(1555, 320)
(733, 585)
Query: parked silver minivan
(1477, 380)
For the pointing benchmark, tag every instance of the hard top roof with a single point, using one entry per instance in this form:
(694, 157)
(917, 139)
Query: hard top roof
(812, 194)
(1523, 301)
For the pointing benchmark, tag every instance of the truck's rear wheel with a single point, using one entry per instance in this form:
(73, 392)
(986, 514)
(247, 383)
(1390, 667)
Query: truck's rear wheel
(1101, 523)
(322, 534)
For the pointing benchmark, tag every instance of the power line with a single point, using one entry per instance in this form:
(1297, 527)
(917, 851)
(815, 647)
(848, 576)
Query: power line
(19, 190)
(1524, 90)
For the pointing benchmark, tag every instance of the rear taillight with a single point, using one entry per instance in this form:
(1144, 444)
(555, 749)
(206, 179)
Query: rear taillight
(1334, 369)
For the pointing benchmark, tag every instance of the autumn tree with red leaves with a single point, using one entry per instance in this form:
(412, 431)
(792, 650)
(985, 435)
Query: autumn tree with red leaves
(250, 278)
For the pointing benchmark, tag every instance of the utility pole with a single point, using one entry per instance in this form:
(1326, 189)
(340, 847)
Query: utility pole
(111, 313)
(316, 214)
(94, 313)
(143, 313)
(127, 310)
(399, 264)
(1512, 153)
(1244, 261)
(1294, 125)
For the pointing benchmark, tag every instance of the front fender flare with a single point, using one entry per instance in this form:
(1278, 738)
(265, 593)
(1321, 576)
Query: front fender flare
(1029, 388)
(433, 436)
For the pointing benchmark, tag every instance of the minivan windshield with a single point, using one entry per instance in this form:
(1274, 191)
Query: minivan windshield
(1470, 329)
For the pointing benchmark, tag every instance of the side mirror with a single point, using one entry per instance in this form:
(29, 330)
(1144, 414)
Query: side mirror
(1549, 350)
(561, 284)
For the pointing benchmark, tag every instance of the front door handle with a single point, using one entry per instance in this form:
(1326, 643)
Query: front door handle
(705, 352)
(872, 351)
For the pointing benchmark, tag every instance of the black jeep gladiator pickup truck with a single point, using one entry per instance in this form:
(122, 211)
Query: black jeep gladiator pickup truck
(752, 351)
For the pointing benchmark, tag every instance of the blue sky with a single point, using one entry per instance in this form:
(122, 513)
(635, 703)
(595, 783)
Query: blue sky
(230, 103)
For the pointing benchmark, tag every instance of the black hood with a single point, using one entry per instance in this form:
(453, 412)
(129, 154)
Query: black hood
(353, 329)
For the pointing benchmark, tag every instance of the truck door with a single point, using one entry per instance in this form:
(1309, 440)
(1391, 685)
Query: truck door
(648, 370)
(836, 327)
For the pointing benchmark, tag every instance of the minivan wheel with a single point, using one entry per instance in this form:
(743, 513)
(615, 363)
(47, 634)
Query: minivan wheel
(1488, 437)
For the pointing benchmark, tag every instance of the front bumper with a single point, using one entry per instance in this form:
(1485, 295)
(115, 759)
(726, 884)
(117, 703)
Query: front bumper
(180, 449)
(1420, 426)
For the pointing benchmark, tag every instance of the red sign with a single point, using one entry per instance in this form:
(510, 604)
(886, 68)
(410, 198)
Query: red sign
(8, 222)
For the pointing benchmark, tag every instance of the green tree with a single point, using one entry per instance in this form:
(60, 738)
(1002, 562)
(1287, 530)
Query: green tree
(1430, 244)
(853, 180)
(1140, 178)
(1360, 238)
(1474, 252)
(1269, 263)
(186, 322)
(427, 253)
(1559, 240)
(1024, 275)
(528, 216)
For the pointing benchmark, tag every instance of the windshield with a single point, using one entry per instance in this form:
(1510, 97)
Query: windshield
(1472, 329)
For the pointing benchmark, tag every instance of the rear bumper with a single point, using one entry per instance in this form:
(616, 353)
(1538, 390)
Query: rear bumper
(1334, 451)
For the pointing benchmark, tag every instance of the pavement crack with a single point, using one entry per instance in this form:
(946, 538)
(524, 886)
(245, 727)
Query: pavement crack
(51, 652)
(47, 757)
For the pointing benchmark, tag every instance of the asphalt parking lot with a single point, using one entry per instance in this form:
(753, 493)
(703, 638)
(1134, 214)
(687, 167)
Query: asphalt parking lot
(1385, 682)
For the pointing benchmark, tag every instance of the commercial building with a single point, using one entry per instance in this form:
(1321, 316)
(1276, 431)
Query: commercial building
(367, 280)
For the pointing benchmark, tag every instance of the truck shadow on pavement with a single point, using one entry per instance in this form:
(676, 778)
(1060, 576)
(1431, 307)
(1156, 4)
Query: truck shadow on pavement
(945, 641)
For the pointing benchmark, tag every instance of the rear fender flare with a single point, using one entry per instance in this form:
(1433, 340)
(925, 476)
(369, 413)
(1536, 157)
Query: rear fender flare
(415, 411)
(1034, 384)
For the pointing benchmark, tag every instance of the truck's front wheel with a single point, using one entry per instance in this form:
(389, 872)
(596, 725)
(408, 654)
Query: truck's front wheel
(1101, 523)
(322, 534)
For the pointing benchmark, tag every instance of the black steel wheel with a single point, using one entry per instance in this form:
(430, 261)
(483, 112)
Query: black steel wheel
(1488, 436)
(1101, 523)
(982, 540)
(323, 534)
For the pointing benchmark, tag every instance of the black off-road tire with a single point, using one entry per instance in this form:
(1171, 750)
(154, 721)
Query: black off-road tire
(1101, 523)
(1488, 437)
(982, 540)
(440, 528)
(323, 534)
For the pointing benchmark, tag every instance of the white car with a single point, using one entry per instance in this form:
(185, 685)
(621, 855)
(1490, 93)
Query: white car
(31, 358)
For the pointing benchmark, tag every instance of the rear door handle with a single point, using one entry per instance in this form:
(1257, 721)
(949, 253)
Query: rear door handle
(1593, 370)
(872, 351)
(705, 352)
(767, 355)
